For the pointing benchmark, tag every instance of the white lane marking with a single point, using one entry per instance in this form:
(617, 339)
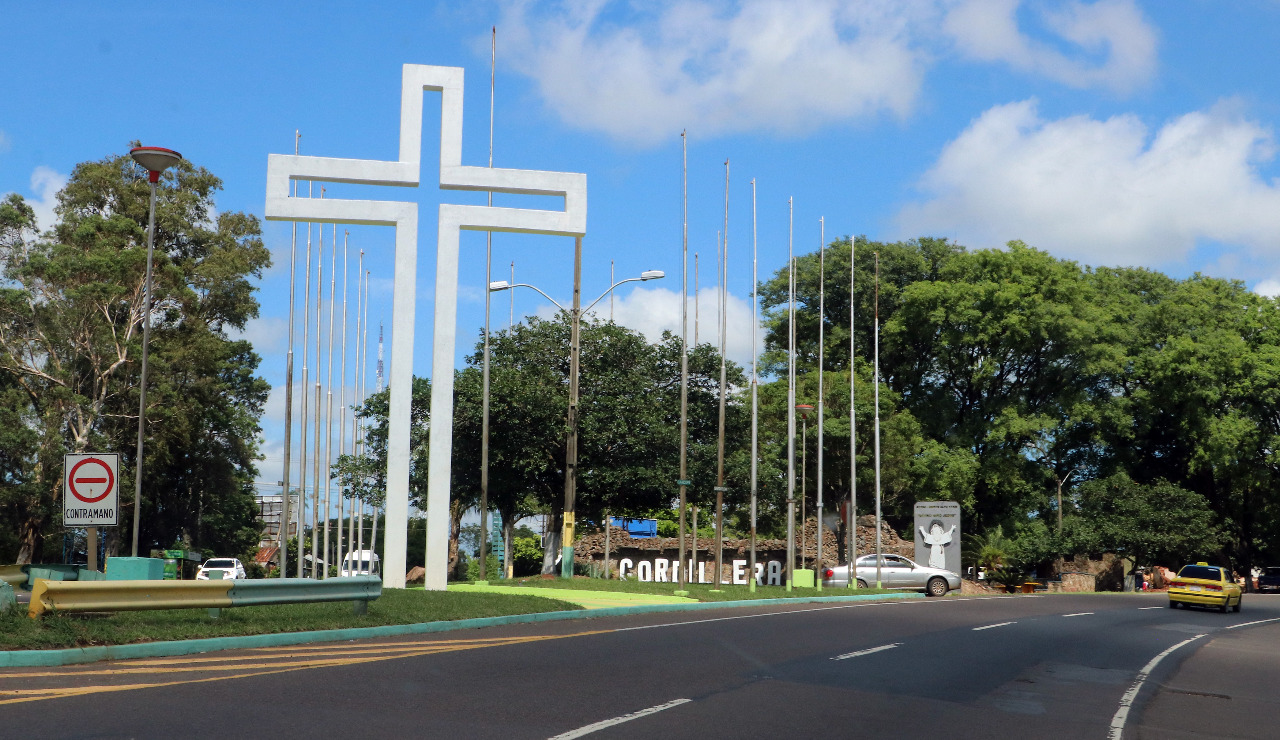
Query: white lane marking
(1126, 701)
(992, 626)
(1250, 624)
(595, 726)
(1151, 607)
(766, 614)
(1078, 614)
(868, 651)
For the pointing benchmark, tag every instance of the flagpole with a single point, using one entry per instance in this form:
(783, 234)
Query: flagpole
(851, 529)
(315, 491)
(342, 391)
(683, 482)
(822, 389)
(328, 416)
(283, 534)
(724, 329)
(791, 396)
(755, 381)
(879, 553)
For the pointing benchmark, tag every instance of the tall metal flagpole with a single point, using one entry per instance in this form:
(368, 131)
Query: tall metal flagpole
(695, 301)
(342, 390)
(684, 482)
(879, 553)
(611, 292)
(328, 415)
(822, 389)
(755, 407)
(791, 397)
(488, 278)
(315, 492)
(283, 539)
(306, 351)
(724, 326)
(511, 317)
(851, 529)
(355, 419)
(364, 396)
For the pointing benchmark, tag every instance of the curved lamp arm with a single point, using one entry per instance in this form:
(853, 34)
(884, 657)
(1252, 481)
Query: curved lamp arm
(499, 285)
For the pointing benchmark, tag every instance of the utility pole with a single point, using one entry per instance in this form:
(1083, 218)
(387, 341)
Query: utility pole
(791, 397)
(822, 389)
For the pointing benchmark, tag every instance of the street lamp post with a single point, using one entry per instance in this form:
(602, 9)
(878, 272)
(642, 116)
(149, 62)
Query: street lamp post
(571, 439)
(155, 160)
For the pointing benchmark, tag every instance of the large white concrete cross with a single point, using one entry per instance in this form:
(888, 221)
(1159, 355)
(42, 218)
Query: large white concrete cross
(572, 221)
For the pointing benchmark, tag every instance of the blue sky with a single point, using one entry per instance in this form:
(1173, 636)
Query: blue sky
(1112, 132)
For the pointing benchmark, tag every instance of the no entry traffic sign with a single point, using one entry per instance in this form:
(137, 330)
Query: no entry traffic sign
(91, 489)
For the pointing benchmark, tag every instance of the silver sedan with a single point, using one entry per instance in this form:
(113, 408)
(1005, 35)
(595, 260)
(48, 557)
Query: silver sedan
(895, 572)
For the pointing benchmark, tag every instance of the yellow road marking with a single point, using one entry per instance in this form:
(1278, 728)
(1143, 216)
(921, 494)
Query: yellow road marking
(249, 670)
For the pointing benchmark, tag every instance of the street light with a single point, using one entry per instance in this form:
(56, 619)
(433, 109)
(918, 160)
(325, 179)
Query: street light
(155, 160)
(571, 440)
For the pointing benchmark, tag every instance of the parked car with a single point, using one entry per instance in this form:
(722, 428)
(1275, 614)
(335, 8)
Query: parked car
(1204, 585)
(896, 572)
(231, 568)
(360, 563)
(1269, 580)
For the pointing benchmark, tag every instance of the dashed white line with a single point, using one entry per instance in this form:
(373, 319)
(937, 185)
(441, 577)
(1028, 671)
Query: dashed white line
(1151, 607)
(595, 726)
(769, 614)
(868, 651)
(993, 626)
(1126, 701)
(1078, 614)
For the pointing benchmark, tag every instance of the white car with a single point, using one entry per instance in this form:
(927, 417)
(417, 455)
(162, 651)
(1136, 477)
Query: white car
(230, 568)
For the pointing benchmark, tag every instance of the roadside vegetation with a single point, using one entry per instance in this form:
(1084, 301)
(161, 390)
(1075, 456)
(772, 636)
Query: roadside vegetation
(19, 632)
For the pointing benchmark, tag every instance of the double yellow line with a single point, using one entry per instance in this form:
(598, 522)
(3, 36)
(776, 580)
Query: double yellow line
(259, 662)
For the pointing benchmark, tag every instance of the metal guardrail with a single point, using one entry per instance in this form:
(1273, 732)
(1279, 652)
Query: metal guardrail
(14, 575)
(105, 596)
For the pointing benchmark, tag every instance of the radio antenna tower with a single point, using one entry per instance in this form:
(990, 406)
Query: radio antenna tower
(379, 356)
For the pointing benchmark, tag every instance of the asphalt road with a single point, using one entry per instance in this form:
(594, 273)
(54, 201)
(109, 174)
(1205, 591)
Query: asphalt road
(1061, 666)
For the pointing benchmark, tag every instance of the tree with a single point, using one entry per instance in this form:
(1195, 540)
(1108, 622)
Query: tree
(1156, 523)
(71, 316)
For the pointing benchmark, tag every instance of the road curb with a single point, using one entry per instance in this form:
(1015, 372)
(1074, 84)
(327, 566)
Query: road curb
(72, 656)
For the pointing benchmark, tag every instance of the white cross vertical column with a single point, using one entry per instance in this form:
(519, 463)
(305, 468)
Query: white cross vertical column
(404, 217)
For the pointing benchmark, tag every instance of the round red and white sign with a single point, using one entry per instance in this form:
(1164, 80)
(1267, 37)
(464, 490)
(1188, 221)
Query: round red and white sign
(91, 480)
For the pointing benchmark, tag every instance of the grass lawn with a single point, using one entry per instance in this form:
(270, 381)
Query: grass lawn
(18, 632)
(699, 591)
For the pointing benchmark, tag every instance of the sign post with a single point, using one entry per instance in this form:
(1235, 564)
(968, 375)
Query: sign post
(91, 495)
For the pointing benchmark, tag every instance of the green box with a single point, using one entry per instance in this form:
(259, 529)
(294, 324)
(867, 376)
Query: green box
(51, 572)
(135, 569)
(7, 598)
(90, 575)
(802, 578)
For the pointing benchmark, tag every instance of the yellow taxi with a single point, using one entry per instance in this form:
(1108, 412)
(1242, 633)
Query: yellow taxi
(1204, 585)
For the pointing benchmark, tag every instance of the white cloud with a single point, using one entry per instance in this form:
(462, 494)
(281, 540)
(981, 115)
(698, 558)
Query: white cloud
(267, 334)
(652, 311)
(1106, 191)
(643, 72)
(45, 184)
(1269, 288)
(763, 65)
(1115, 45)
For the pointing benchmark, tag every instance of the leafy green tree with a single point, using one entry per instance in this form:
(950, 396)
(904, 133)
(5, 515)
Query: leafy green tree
(1154, 523)
(71, 316)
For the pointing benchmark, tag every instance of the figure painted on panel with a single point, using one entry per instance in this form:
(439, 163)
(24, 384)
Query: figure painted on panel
(937, 540)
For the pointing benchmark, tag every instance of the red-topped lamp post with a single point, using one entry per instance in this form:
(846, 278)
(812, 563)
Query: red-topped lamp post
(155, 160)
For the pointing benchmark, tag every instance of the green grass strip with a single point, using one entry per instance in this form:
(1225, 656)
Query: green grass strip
(46, 658)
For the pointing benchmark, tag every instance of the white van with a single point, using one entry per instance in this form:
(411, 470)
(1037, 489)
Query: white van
(360, 563)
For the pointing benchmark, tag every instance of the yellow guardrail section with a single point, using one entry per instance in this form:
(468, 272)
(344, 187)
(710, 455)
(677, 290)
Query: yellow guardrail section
(111, 596)
(14, 575)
